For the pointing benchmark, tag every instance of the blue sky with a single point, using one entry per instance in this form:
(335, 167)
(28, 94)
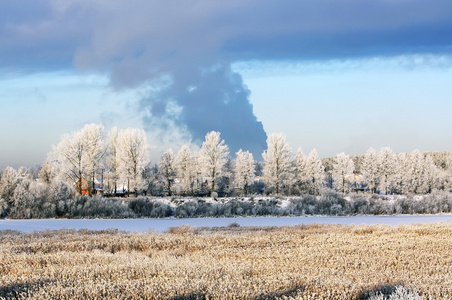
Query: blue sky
(401, 102)
(332, 75)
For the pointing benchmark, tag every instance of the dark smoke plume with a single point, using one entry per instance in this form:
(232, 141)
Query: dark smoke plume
(206, 100)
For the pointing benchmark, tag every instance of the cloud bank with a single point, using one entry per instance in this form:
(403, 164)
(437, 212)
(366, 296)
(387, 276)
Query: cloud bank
(184, 50)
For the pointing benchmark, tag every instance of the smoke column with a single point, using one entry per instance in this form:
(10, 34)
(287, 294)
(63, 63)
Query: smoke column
(204, 100)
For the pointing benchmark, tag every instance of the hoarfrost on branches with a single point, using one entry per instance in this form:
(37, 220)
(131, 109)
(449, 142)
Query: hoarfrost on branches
(213, 157)
(277, 162)
(112, 161)
(343, 173)
(78, 156)
(315, 173)
(300, 169)
(369, 169)
(68, 158)
(8, 184)
(386, 161)
(244, 170)
(186, 170)
(133, 154)
(167, 169)
(93, 135)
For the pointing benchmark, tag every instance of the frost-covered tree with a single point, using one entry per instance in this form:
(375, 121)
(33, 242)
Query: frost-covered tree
(47, 173)
(315, 173)
(212, 158)
(8, 184)
(386, 161)
(22, 199)
(415, 170)
(369, 170)
(443, 172)
(152, 181)
(68, 158)
(14, 190)
(423, 174)
(79, 155)
(133, 152)
(167, 169)
(94, 152)
(24, 173)
(186, 169)
(277, 162)
(59, 195)
(112, 160)
(343, 175)
(244, 170)
(224, 182)
(300, 169)
(400, 173)
(432, 175)
(447, 175)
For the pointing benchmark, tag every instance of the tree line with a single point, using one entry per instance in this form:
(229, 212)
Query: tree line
(91, 161)
(284, 173)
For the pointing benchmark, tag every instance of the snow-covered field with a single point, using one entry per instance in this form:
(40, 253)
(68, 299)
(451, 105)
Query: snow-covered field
(161, 225)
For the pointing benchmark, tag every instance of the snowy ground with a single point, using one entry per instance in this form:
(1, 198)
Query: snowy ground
(161, 225)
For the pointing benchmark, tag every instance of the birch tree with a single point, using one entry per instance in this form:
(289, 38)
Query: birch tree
(369, 170)
(401, 173)
(186, 169)
(78, 157)
(300, 169)
(448, 172)
(68, 158)
(244, 170)
(277, 162)
(315, 173)
(93, 139)
(213, 158)
(433, 175)
(112, 160)
(424, 175)
(133, 151)
(167, 169)
(343, 168)
(47, 173)
(385, 161)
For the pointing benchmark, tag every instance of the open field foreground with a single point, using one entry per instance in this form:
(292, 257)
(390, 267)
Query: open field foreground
(301, 262)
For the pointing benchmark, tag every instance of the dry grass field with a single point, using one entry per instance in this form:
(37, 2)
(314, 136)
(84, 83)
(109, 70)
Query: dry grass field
(303, 262)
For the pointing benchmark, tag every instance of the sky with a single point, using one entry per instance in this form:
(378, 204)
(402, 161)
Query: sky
(335, 76)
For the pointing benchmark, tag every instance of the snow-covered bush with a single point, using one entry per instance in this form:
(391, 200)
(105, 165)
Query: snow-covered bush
(191, 209)
(144, 207)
